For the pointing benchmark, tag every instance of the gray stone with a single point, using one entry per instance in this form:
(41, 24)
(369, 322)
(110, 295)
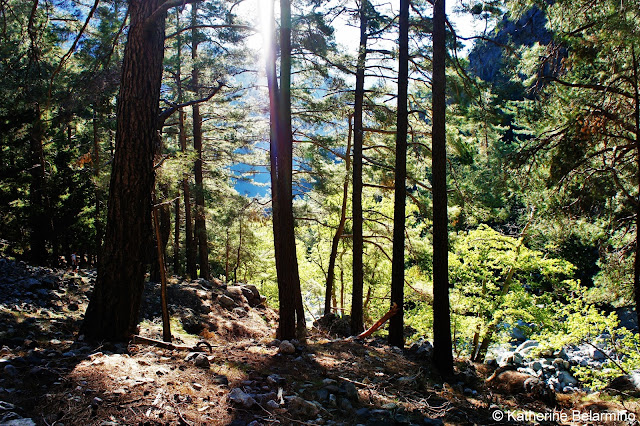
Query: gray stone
(350, 390)
(201, 360)
(220, 380)
(272, 404)
(275, 379)
(302, 408)
(345, 404)
(239, 397)
(6, 406)
(286, 348)
(536, 366)
(226, 302)
(240, 312)
(19, 422)
(566, 378)
(10, 371)
(596, 354)
(322, 394)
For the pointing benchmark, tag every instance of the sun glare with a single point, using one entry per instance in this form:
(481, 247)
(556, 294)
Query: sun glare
(265, 14)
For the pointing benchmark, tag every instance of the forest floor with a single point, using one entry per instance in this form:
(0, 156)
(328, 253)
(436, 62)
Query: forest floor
(49, 375)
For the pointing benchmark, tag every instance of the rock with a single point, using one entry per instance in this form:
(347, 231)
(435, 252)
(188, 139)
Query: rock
(239, 397)
(191, 322)
(6, 406)
(226, 302)
(299, 407)
(345, 405)
(256, 298)
(322, 394)
(340, 326)
(19, 422)
(73, 307)
(536, 366)
(272, 404)
(567, 379)
(363, 412)
(235, 292)
(627, 318)
(31, 284)
(286, 348)
(275, 379)
(350, 390)
(560, 364)
(196, 386)
(10, 371)
(596, 354)
(422, 348)
(432, 422)
(219, 379)
(517, 332)
(202, 361)
(240, 312)
(191, 356)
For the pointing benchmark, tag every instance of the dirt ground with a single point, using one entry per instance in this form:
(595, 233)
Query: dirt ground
(49, 375)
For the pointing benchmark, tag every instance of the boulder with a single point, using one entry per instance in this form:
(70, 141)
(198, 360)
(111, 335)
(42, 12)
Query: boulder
(286, 348)
(226, 302)
(238, 396)
(299, 407)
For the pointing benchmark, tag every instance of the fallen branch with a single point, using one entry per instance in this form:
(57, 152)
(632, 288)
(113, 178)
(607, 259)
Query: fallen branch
(198, 347)
(394, 310)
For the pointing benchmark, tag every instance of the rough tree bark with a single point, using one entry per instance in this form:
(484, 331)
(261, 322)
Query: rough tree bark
(114, 307)
(200, 222)
(330, 293)
(443, 356)
(396, 332)
(292, 321)
(96, 176)
(357, 324)
(636, 99)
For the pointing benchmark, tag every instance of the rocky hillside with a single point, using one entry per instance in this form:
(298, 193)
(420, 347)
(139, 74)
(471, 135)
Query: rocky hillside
(241, 375)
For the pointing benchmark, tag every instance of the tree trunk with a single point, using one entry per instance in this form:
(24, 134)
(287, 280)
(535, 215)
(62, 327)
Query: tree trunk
(96, 176)
(274, 132)
(200, 222)
(164, 230)
(182, 139)
(36, 194)
(357, 324)
(166, 326)
(290, 295)
(396, 324)
(636, 265)
(443, 356)
(329, 294)
(190, 252)
(114, 307)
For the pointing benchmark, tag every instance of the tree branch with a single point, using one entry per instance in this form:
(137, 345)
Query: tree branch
(165, 114)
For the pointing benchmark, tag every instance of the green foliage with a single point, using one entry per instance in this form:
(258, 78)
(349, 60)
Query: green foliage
(480, 264)
(575, 321)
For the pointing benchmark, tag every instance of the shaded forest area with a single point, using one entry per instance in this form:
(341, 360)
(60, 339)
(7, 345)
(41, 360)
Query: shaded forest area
(306, 212)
